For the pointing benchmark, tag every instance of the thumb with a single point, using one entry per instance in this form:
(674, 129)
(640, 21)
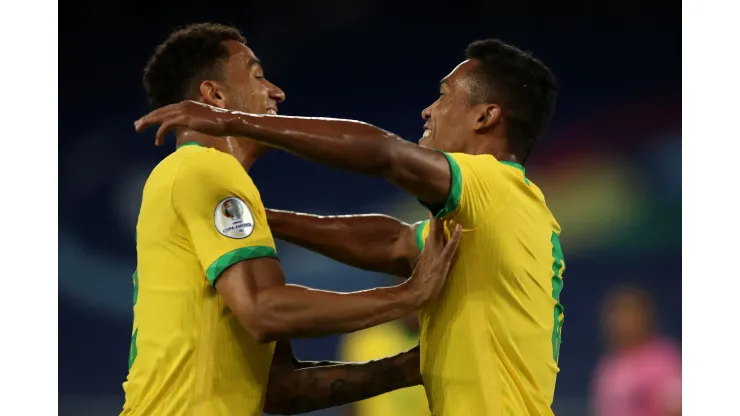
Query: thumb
(449, 251)
(436, 231)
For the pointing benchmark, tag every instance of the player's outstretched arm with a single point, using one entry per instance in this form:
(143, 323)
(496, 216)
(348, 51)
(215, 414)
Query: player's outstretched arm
(270, 310)
(299, 387)
(372, 242)
(344, 144)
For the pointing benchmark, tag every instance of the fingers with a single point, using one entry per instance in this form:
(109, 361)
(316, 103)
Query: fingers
(449, 251)
(147, 121)
(434, 227)
(155, 117)
(141, 124)
(161, 132)
(150, 119)
(436, 232)
(167, 117)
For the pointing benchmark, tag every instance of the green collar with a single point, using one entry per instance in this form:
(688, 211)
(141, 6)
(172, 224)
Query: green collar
(517, 166)
(513, 165)
(190, 144)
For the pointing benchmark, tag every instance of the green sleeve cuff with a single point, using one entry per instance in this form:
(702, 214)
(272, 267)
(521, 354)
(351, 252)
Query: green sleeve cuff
(235, 256)
(453, 198)
(420, 234)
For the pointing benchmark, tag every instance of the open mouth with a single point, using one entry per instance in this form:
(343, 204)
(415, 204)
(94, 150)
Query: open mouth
(427, 134)
(271, 111)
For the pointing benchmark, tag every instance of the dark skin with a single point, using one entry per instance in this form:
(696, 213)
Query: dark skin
(269, 309)
(299, 387)
(453, 124)
(371, 242)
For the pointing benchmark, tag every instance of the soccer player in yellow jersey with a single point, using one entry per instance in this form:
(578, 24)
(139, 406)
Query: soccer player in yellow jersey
(210, 298)
(490, 342)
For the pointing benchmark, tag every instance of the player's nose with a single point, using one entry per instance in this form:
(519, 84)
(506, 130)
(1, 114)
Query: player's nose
(427, 113)
(276, 93)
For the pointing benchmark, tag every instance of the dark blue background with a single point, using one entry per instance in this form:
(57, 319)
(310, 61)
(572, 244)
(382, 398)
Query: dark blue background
(618, 65)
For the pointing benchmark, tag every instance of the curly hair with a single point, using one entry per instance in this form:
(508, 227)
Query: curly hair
(188, 57)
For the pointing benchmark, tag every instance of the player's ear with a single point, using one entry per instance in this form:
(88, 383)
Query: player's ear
(213, 94)
(487, 115)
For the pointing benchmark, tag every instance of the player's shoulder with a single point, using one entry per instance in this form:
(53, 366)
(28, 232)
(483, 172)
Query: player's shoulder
(193, 167)
(204, 160)
(196, 163)
(477, 163)
(478, 159)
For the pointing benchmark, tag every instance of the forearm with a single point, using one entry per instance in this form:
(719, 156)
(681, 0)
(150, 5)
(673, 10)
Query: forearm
(343, 144)
(292, 311)
(312, 364)
(313, 388)
(371, 242)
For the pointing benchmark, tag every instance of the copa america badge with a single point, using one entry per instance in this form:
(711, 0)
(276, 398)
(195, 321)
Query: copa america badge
(233, 218)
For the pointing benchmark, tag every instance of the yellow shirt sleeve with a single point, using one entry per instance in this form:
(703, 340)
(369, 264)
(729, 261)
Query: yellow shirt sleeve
(223, 212)
(422, 231)
(478, 189)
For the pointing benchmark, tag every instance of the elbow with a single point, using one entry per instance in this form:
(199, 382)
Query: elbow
(261, 335)
(258, 326)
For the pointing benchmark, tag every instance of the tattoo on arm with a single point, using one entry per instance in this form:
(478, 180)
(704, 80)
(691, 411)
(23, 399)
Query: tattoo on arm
(328, 384)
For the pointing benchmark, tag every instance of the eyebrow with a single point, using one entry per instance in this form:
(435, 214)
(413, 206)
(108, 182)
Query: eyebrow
(252, 62)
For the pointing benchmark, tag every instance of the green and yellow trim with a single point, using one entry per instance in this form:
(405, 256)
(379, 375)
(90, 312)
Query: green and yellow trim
(558, 266)
(517, 166)
(235, 256)
(453, 198)
(190, 144)
(420, 234)
(134, 351)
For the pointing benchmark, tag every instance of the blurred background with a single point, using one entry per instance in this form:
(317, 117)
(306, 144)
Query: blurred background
(610, 165)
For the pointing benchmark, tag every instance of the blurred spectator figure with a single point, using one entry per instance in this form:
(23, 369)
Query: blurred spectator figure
(378, 342)
(640, 375)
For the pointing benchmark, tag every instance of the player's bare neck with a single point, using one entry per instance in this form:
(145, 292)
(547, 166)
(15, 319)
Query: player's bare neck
(497, 147)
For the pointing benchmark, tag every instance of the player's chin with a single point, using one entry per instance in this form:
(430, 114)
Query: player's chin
(424, 142)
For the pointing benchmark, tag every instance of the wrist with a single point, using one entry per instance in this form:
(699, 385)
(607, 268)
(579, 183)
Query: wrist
(235, 124)
(409, 297)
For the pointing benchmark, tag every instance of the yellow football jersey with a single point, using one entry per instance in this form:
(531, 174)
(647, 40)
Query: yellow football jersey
(490, 341)
(200, 213)
(379, 342)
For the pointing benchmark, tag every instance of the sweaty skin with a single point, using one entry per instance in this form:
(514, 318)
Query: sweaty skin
(256, 292)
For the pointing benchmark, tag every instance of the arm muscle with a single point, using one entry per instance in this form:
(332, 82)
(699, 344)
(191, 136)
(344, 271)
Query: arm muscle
(292, 389)
(269, 309)
(371, 242)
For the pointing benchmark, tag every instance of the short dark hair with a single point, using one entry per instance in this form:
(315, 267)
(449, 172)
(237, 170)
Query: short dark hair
(523, 86)
(188, 57)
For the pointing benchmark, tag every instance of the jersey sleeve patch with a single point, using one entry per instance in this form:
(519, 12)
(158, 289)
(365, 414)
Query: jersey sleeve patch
(235, 256)
(233, 218)
(453, 198)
